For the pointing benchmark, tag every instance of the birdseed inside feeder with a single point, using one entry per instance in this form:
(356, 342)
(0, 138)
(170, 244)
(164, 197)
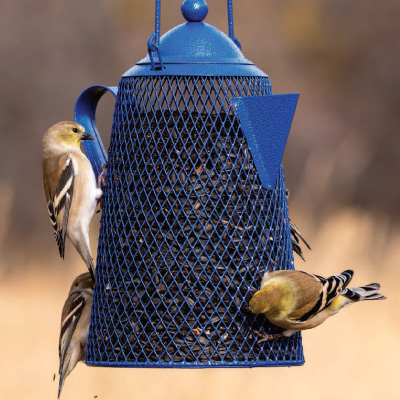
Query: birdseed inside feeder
(194, 207)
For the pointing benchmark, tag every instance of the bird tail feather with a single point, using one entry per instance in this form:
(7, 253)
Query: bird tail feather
(91, 268)
(296, 237)
(367, 292)
(295, 232)
(62, 377)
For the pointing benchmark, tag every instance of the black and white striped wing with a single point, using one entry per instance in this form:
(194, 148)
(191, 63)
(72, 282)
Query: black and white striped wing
(60, 204)
(71, 313)
(330, 289)
(296, 237)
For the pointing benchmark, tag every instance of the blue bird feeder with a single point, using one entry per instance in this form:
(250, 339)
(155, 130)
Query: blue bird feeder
(194, 207)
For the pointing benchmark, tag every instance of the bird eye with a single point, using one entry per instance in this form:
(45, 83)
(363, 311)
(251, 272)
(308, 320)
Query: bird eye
(75, 130)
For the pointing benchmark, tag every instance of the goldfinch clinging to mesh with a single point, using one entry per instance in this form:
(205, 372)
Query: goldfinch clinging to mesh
(297, 300)
(70, 187)
(75, 320)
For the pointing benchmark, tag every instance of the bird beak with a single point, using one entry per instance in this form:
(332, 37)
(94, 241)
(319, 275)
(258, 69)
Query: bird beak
(86, 136)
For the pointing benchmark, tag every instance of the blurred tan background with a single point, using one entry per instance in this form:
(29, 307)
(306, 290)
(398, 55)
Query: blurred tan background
(341, 166)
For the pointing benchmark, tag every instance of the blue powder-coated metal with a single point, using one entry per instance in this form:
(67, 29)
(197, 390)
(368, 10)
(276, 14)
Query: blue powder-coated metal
(200, 69)
(230, 24)
(187, 228)
(85, 113)
(194, 10)
(265, 122)
(197, 48)
(153, 44)
(187, 231)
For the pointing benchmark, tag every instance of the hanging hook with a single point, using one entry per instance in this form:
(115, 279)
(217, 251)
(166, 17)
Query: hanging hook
(230, 25)
(153, 44)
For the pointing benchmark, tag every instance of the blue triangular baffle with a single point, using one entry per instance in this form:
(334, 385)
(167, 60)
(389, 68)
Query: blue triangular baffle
(265, 122)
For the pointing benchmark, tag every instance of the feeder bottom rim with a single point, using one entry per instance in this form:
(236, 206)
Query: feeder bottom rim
(116, 364)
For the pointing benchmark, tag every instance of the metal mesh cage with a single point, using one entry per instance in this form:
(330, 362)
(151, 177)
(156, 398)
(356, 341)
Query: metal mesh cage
(187, 231)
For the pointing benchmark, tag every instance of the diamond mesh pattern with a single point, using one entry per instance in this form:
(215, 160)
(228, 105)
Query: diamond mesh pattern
(187, 231)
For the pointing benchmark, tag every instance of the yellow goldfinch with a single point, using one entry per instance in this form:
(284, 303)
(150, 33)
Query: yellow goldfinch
(297, 300)
(70, 187)
(75, 320)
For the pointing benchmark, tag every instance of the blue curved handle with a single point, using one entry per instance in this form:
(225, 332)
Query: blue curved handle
(85, 114)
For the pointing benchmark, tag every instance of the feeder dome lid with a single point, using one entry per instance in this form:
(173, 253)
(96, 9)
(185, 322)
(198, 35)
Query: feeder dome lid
(197, 48)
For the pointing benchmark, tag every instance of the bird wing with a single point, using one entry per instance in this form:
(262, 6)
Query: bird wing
(59, 204)
(71, 313)
(331, 287)
(295, 234)
(296, 237)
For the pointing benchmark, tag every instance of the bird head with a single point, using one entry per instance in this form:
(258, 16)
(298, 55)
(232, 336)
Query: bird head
(66, 134)
(260, 304)
(83, 281)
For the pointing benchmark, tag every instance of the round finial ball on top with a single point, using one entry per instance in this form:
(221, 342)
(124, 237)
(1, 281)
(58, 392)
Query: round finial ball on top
(194, 10)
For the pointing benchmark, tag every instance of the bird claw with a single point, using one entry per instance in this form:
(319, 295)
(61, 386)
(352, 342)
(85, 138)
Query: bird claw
(100, 203)
(101, 180)
(267, 336)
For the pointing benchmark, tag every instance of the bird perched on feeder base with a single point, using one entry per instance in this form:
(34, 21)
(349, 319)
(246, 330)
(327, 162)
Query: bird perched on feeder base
(297, 300)
(70, 187)
(75, 320)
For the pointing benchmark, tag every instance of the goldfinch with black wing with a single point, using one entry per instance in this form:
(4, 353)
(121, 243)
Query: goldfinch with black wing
(75, 321)
(70, 187)
(297, 300)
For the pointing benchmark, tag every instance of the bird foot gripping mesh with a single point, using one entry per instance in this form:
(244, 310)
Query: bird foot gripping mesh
(187, 231)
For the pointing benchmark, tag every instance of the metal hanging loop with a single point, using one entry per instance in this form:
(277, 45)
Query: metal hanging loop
(230, 24)
(153, 44)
